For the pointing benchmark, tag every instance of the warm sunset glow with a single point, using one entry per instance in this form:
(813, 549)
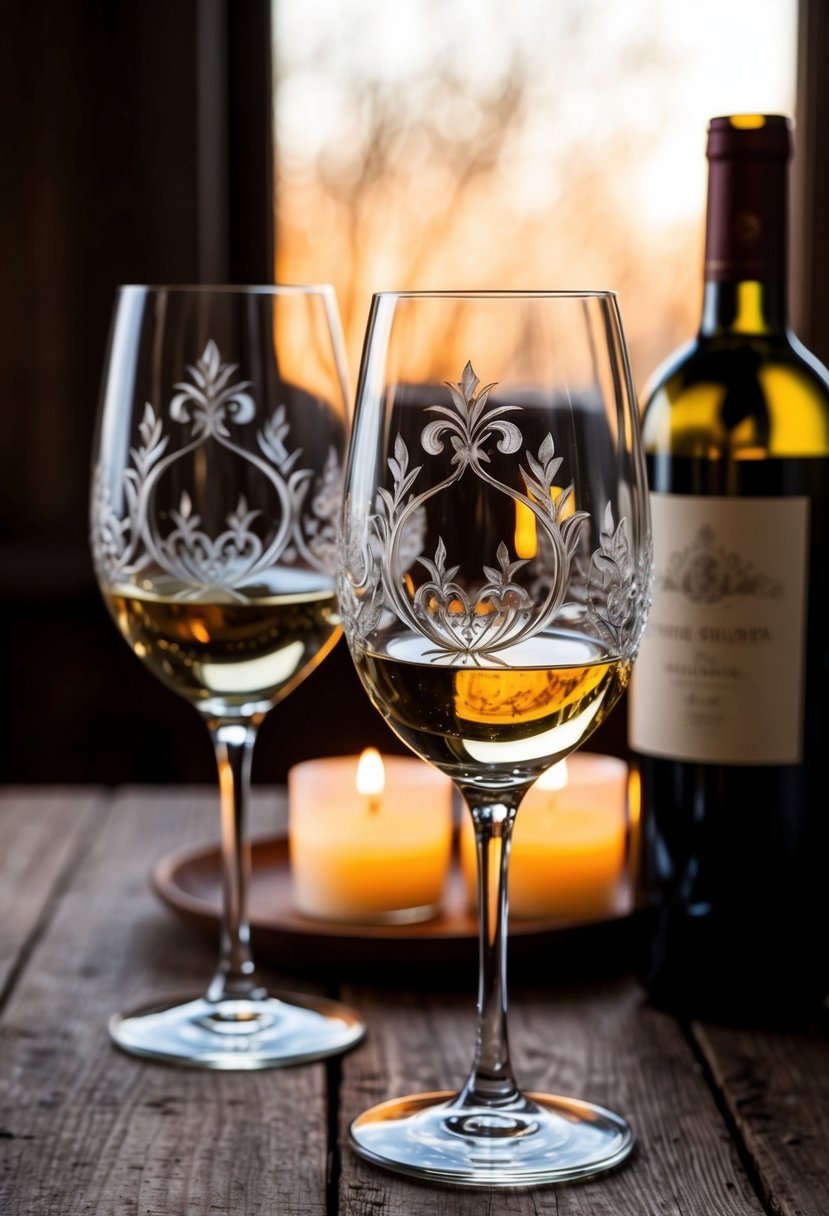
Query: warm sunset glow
(563, 148)
(300, 332)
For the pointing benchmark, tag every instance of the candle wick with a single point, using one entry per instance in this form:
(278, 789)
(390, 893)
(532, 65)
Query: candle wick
(373, 804)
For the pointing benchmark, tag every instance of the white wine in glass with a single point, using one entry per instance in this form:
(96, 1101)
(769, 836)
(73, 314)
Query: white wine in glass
(215, 499)
(495, 582)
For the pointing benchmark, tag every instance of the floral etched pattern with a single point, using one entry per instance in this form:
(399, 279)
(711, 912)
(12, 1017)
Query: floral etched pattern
(476, 626)
(615, 587)
(124, 546)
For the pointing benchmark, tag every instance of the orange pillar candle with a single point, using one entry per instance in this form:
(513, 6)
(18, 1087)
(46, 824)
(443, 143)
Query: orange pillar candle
(567, 860)
(370, 839)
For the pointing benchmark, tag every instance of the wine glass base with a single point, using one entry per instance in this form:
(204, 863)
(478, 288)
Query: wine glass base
(538, 1139)
(280, 1030)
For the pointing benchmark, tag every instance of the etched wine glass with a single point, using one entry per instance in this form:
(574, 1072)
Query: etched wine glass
(216, 492)
(495, 581)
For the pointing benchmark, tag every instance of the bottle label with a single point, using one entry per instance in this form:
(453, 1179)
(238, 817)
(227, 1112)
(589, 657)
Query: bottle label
(719, 678)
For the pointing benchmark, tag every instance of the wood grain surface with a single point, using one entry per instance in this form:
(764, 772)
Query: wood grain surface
(86, 1128)
(597, 1042)
(776, 1089)
(728, 1122)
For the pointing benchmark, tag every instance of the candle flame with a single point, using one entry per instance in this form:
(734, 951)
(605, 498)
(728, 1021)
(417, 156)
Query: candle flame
(555, 778)
(371, 776)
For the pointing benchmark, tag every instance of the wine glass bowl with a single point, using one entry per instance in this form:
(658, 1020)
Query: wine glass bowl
(495, 582)
(215, 498)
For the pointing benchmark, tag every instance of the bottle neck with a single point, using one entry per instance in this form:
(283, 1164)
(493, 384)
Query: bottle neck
(745, 245)
(747, 307)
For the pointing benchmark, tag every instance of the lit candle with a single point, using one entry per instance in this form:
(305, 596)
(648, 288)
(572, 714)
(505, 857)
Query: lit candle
(567, 860)
(369, 840)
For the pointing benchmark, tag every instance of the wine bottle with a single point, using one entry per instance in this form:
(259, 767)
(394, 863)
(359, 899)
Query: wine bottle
(728, 722)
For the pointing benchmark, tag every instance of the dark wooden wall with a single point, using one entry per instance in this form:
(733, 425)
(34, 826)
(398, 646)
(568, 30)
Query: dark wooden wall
(810, 186)
(138, 148)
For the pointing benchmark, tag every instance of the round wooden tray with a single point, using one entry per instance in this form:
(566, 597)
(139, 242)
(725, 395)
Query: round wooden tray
(189, 882)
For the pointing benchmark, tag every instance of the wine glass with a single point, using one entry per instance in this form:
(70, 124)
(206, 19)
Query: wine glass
(215, 499)
(494, 584)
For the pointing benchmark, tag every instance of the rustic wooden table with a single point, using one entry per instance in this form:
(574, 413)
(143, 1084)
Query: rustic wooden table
(729, 1122)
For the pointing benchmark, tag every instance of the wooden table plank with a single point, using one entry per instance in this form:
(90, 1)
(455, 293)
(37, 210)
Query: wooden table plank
(776, 1087)
(88, 1129)
(599, 1042)
(43, 831)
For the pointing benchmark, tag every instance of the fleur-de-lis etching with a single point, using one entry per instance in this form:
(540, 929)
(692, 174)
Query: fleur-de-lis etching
(469, 424)
(210, 397)
(304, 517)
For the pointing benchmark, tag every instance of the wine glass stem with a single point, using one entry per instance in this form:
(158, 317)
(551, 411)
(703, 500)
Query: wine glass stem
(491, 1082)
(235, 977)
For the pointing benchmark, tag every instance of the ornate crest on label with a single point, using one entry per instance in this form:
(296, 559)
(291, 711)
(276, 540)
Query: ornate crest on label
(705, 572)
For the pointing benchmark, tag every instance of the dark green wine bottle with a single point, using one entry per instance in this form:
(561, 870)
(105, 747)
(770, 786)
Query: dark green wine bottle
(728, 722)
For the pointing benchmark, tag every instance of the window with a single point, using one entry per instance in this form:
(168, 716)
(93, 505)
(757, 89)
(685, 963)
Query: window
(513, 143)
